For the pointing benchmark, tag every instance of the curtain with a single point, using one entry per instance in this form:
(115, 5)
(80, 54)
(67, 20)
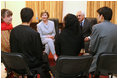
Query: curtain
(54, 8)
(92, 7)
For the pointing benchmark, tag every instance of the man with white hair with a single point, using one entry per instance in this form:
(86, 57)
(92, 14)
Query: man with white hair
(86, 26)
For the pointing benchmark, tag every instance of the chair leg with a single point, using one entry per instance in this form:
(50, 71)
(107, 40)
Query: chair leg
(10, 74)
(51, 74)
(111, 75)
(25, 76)
(20, 76)
(92, 75)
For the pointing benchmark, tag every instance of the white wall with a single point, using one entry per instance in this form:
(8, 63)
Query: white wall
(74, 6)
(15, 7)
(2, 4)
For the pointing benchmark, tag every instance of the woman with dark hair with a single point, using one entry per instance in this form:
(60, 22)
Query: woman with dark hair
(69, 42)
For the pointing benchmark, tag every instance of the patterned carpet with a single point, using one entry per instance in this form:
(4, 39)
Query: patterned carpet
(51, 60)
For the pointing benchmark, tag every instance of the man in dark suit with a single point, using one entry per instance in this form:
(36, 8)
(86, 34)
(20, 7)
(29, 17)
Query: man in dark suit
(86, 27)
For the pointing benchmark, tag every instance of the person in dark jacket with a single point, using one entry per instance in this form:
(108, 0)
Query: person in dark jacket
(69, 42)
(86, 27)
(25, 40)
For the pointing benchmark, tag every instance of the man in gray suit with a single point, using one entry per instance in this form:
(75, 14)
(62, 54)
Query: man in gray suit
(103, 37)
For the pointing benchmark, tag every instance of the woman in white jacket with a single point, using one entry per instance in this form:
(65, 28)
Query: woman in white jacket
(47, 32)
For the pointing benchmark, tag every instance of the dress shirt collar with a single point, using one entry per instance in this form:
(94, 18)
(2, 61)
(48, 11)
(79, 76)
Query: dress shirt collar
(82, 23)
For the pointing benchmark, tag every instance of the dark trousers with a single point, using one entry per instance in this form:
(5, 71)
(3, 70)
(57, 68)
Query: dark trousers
(44, 69)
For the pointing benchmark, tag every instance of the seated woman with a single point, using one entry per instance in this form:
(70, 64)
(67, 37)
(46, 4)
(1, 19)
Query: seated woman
(69, 42)
(47, 32)
(6, 26)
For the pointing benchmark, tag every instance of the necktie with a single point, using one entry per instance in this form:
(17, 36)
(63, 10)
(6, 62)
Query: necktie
(81, 24)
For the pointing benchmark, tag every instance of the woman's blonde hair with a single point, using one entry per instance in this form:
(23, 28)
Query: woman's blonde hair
(44, 12)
